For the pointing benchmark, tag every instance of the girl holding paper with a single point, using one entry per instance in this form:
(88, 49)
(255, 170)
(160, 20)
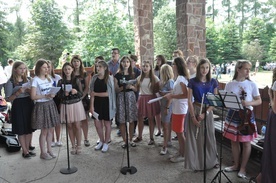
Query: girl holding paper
(166, 86)
(198, 87)
(179, 101)
(22, 106)
(45, 114)
(70, 95)
(148, 85)
(103, 102)
(84, 78)
(126, 72)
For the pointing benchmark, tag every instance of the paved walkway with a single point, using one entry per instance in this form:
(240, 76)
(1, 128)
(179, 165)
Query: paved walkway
(95, 166)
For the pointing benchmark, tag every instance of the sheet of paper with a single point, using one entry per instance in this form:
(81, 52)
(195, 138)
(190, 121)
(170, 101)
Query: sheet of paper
(68, 87)
(95, 115)
(154, 100)
(26, 85)
(231, 100)
(54, 90)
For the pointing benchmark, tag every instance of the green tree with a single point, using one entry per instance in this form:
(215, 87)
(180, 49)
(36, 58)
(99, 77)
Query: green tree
(157, 5)
(164, 30)
(229, 41)
(48, 35)
(253, 51)
(243, 7)
(4, 33)
(272, 50)
(104, 30)
(212, 45)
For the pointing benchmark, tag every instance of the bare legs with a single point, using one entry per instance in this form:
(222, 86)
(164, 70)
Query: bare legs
(45, 136)
(166, 134)
(181, 142)
(104, 136)
(130, 130)
(84, 126)
(74, 130)
(158, 124)
(236, 155)
(25, 142)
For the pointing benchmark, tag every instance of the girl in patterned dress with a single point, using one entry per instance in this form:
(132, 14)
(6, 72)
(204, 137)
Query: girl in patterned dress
(126, 72)
(45, 114)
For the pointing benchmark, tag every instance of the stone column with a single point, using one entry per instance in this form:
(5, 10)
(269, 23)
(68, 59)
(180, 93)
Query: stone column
(190, 24)
(143, 28)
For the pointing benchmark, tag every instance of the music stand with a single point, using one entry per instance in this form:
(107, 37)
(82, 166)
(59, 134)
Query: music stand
(228, 100)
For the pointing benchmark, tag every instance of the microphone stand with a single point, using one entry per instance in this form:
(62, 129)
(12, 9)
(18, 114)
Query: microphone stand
(68, 170)
(128, 168)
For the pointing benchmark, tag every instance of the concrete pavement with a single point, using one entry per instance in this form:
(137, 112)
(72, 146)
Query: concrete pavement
(95, 166)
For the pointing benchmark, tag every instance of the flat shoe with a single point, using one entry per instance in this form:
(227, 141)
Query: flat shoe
(124, 145)
(132, 144)
(138, 139)
(157, 134)
(151, 142)
(32, 153)
(242, 175)
(230, 169)
(31, 148)
(26, 156)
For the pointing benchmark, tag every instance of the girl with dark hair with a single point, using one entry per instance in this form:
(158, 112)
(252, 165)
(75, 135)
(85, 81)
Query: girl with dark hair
(22, 106)
(74, 107)
(45, 114)
(199, 86)
(84, 78)
(103, 102)
(248, 91)
(179, 101)
(126, 72)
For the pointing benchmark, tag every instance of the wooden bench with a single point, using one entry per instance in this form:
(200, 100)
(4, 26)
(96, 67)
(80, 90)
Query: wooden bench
(254, 145)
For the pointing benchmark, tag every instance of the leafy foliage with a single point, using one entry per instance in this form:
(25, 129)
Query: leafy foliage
(165, 31)
(212, 44)
(253, 51)
(229, 41)
(105, 30)
(48, 34)
(272, 50)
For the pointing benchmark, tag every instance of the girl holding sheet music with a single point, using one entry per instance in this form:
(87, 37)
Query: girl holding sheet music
(103, 102)
(22, 106)
(45, 114)
(243, 87)
(178, 97)
(70, 95)
(198, 88)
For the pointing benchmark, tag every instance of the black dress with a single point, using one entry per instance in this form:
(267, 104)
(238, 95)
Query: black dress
(101, 104)
(21, 113)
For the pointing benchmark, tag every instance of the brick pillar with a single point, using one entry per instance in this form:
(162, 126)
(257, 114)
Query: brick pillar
(190, 24)
(143, 28)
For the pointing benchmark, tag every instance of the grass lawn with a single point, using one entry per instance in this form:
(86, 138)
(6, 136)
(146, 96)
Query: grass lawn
(263, 78)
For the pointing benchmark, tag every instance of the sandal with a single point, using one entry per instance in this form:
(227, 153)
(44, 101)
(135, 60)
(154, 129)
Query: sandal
(151, 142)
(124, 145)
(132, 144)
(73, 151)
(253, 180)
(78, 150)
(138, 139)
